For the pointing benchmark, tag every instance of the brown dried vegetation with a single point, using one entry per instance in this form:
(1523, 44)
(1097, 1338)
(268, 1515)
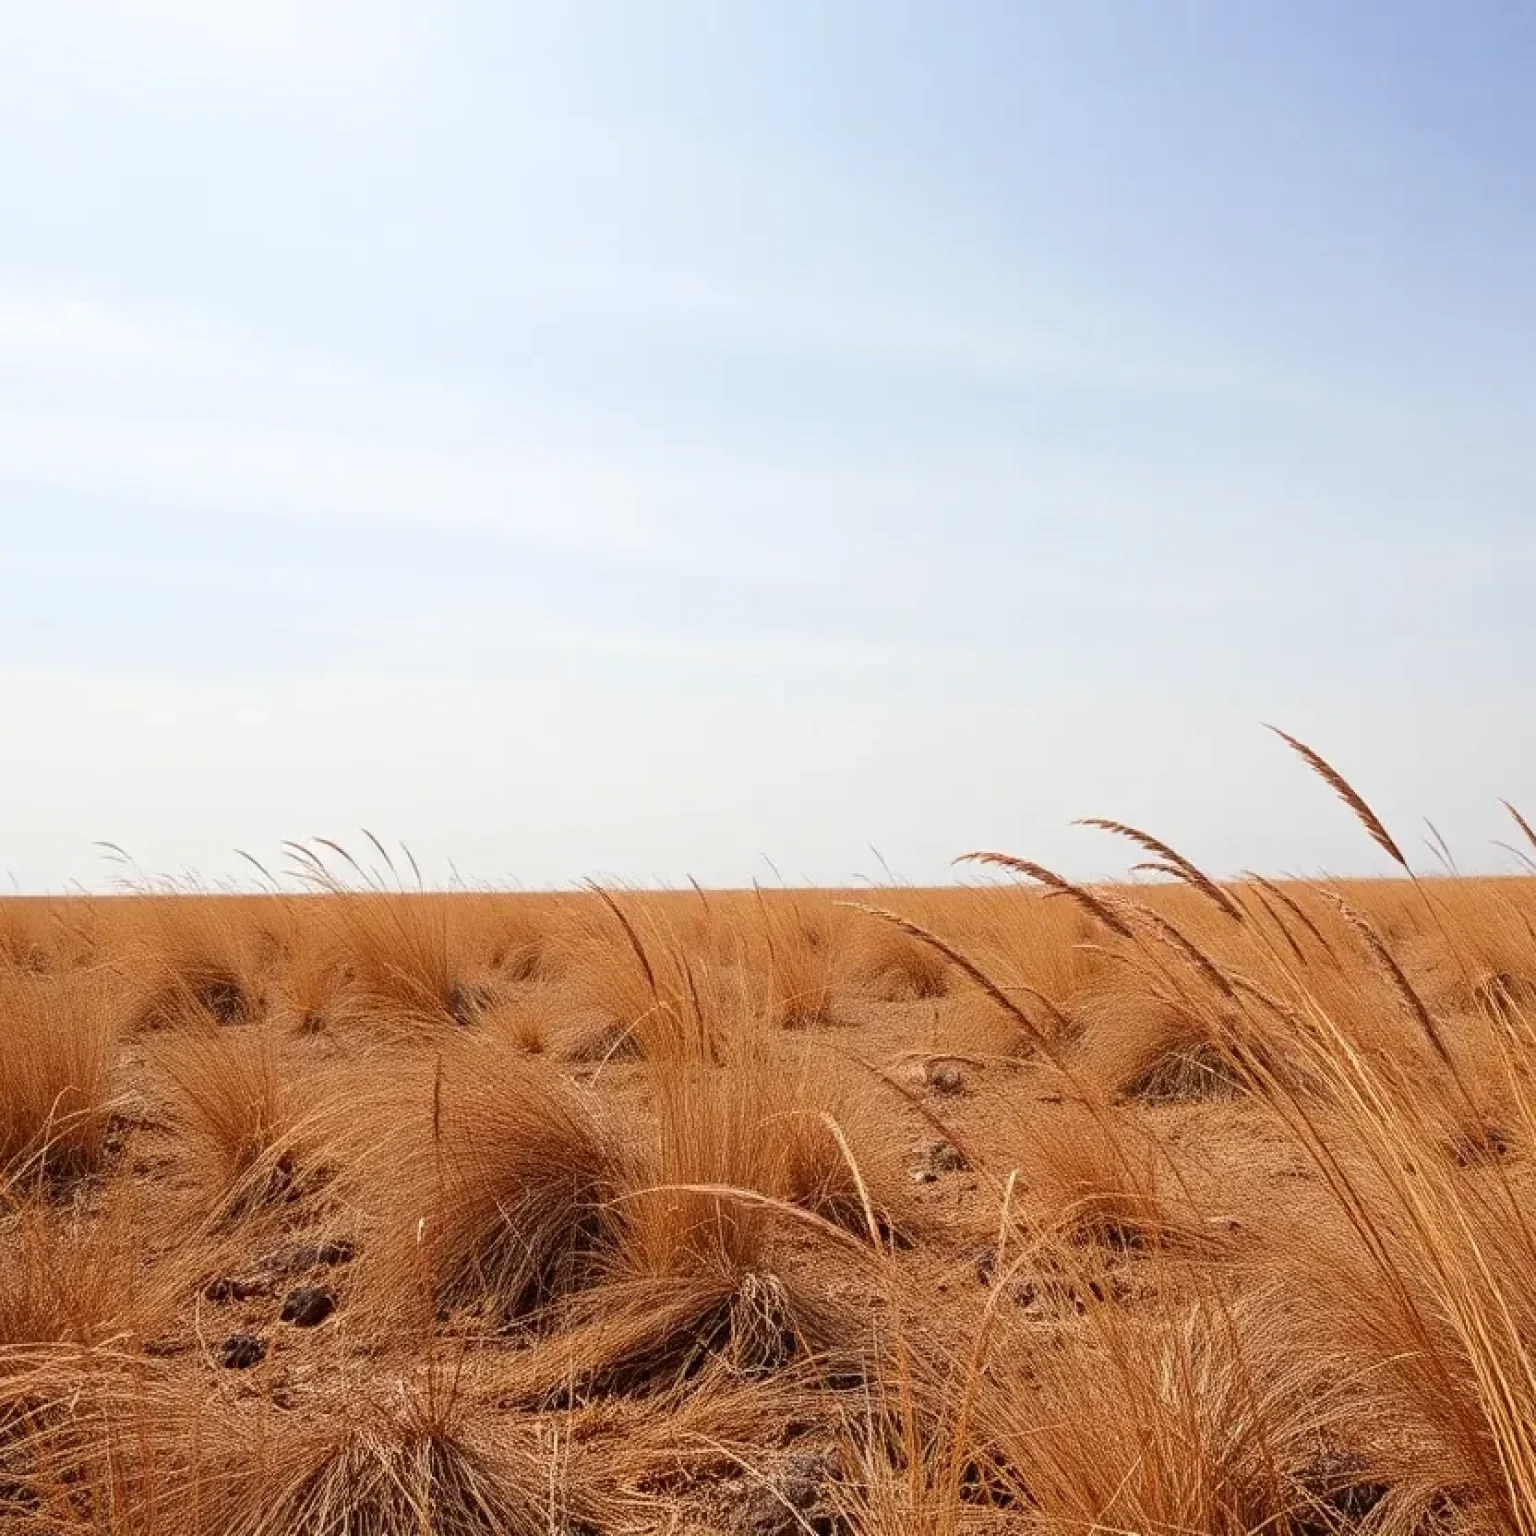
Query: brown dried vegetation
(1165, 1208)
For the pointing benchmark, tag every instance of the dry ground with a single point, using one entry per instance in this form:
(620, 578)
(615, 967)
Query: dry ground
(1169, 1207)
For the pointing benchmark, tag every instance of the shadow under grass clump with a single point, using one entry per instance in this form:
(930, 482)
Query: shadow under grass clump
(226, 1001)
(895, 967)
(1149, 1051)
(1186, 1074)
(199, 994)
(38, 1451)
(1339, 1492)
(593, 1041)
(651, 1335)
(469, 1001)
(510, 1276)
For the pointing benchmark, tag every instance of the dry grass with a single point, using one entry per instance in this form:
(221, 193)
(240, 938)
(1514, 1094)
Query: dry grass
(58, 1036)
(410, 1455)
(250, 1129)
(68, 1277)
(1177, 1206)
(493, 1192)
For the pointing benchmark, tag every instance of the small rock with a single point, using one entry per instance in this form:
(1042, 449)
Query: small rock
(233, 1288)
(306, 1306)
(942, 1157)
(793, 1500)
(240, 1351)
(945, 1077)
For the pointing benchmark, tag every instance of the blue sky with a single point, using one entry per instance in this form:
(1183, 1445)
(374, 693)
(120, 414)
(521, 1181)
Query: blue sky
(648, 438)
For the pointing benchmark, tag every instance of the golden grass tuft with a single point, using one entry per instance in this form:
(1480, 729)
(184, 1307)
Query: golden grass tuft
(399, 1458)
(252, 1131)
(1160, 1423)
(58, 1043)
(71, 1276)
(493, 1190)
(748, 1166)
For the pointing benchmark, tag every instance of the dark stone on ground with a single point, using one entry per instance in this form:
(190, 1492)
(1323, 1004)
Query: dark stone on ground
(306, 1306)
(945, 1077)
(942, 1157)
(240, 1351)
(794, 1498)
(233, 1288)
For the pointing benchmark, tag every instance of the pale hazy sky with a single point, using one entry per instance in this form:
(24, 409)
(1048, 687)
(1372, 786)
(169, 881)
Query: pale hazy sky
(644, 437)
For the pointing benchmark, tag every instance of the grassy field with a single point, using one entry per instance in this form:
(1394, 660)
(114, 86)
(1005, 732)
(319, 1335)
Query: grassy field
(1165, 1207)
